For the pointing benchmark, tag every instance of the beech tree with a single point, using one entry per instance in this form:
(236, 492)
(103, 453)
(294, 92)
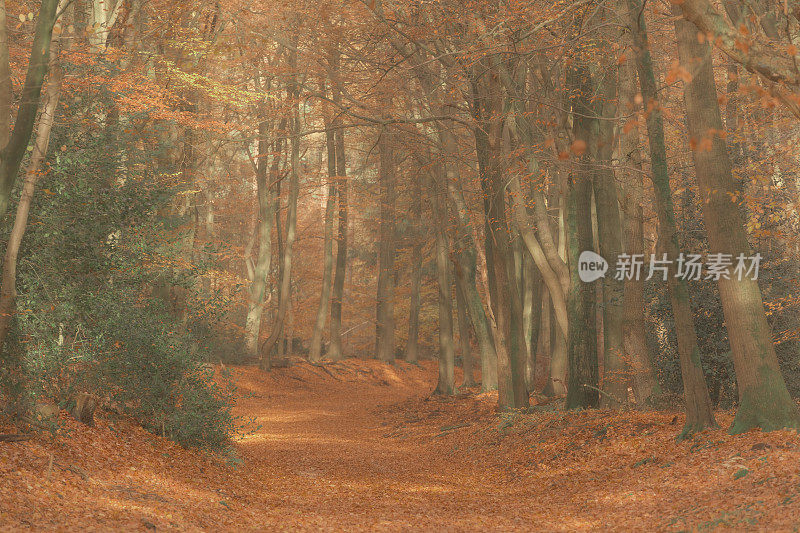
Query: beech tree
(764, 401)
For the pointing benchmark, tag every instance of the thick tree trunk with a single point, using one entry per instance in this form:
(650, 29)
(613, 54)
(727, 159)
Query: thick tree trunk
(615, 373)
(698, 403)
(384, 345)
(764, 401)
(645, 385)
(463, 334)
(583, 373)
(315, 352)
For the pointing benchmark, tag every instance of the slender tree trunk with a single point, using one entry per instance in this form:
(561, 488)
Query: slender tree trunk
(557, 380)
(466, 277)
(8, 290)
(260, 272)
(489, 365)
(446, 381)
(465, 264)
(506, 304)
(315, 351)
(412, 346)
(6, 84)
(291, 219)
(507, 308)
(12, 153)
(764, 401)
(335, 353)
(699, 414)
(385, 315)
(544, 345)
(533, 307)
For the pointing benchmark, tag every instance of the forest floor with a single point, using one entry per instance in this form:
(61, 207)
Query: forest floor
(362, 446)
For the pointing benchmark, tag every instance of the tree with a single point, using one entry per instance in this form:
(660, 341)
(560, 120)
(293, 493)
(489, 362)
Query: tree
(13, 151)
(764, 401)
(8, 282)
(698, 403)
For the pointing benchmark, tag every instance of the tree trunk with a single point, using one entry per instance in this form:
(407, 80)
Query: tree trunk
(315, 351)
(8, 287)
(506, 304)
(385, 308)
(532, 308)
(6, 83)
(583, 372)
(12, 153)
(335, 352)
(645, 385)
(291, 219)
(764, 401)
(466, 270)
(258, 285)
(512, 393)
(544, 345)
(446, 381)
(463, 333)
(412, 346)
(698, 403)
(489, 365)
(615, 373)
(557, 375)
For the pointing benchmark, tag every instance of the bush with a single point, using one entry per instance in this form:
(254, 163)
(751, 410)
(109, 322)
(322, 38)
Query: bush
(150, 369)
(104, 287)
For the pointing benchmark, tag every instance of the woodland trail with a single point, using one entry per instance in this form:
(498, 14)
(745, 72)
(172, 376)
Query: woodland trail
(359, 446)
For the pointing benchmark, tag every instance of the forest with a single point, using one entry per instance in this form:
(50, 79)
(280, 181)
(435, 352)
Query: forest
(402, 265)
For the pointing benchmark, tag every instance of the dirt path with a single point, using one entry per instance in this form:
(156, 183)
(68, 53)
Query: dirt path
(331, 459)
(358, 447)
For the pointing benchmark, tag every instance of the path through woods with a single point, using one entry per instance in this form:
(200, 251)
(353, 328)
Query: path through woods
(355, 446)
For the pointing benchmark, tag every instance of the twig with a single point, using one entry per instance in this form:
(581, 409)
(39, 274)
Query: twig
(326, 371)
(15, 437)
(49, 467)
(74, 469)
(604, 393)
(447, 429)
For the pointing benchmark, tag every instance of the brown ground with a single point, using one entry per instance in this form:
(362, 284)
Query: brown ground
(362, 448)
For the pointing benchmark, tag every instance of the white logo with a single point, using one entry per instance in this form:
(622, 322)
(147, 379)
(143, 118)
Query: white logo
(591, 266)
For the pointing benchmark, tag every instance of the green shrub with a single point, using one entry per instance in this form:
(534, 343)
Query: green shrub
(150, 369)
(107, 297)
